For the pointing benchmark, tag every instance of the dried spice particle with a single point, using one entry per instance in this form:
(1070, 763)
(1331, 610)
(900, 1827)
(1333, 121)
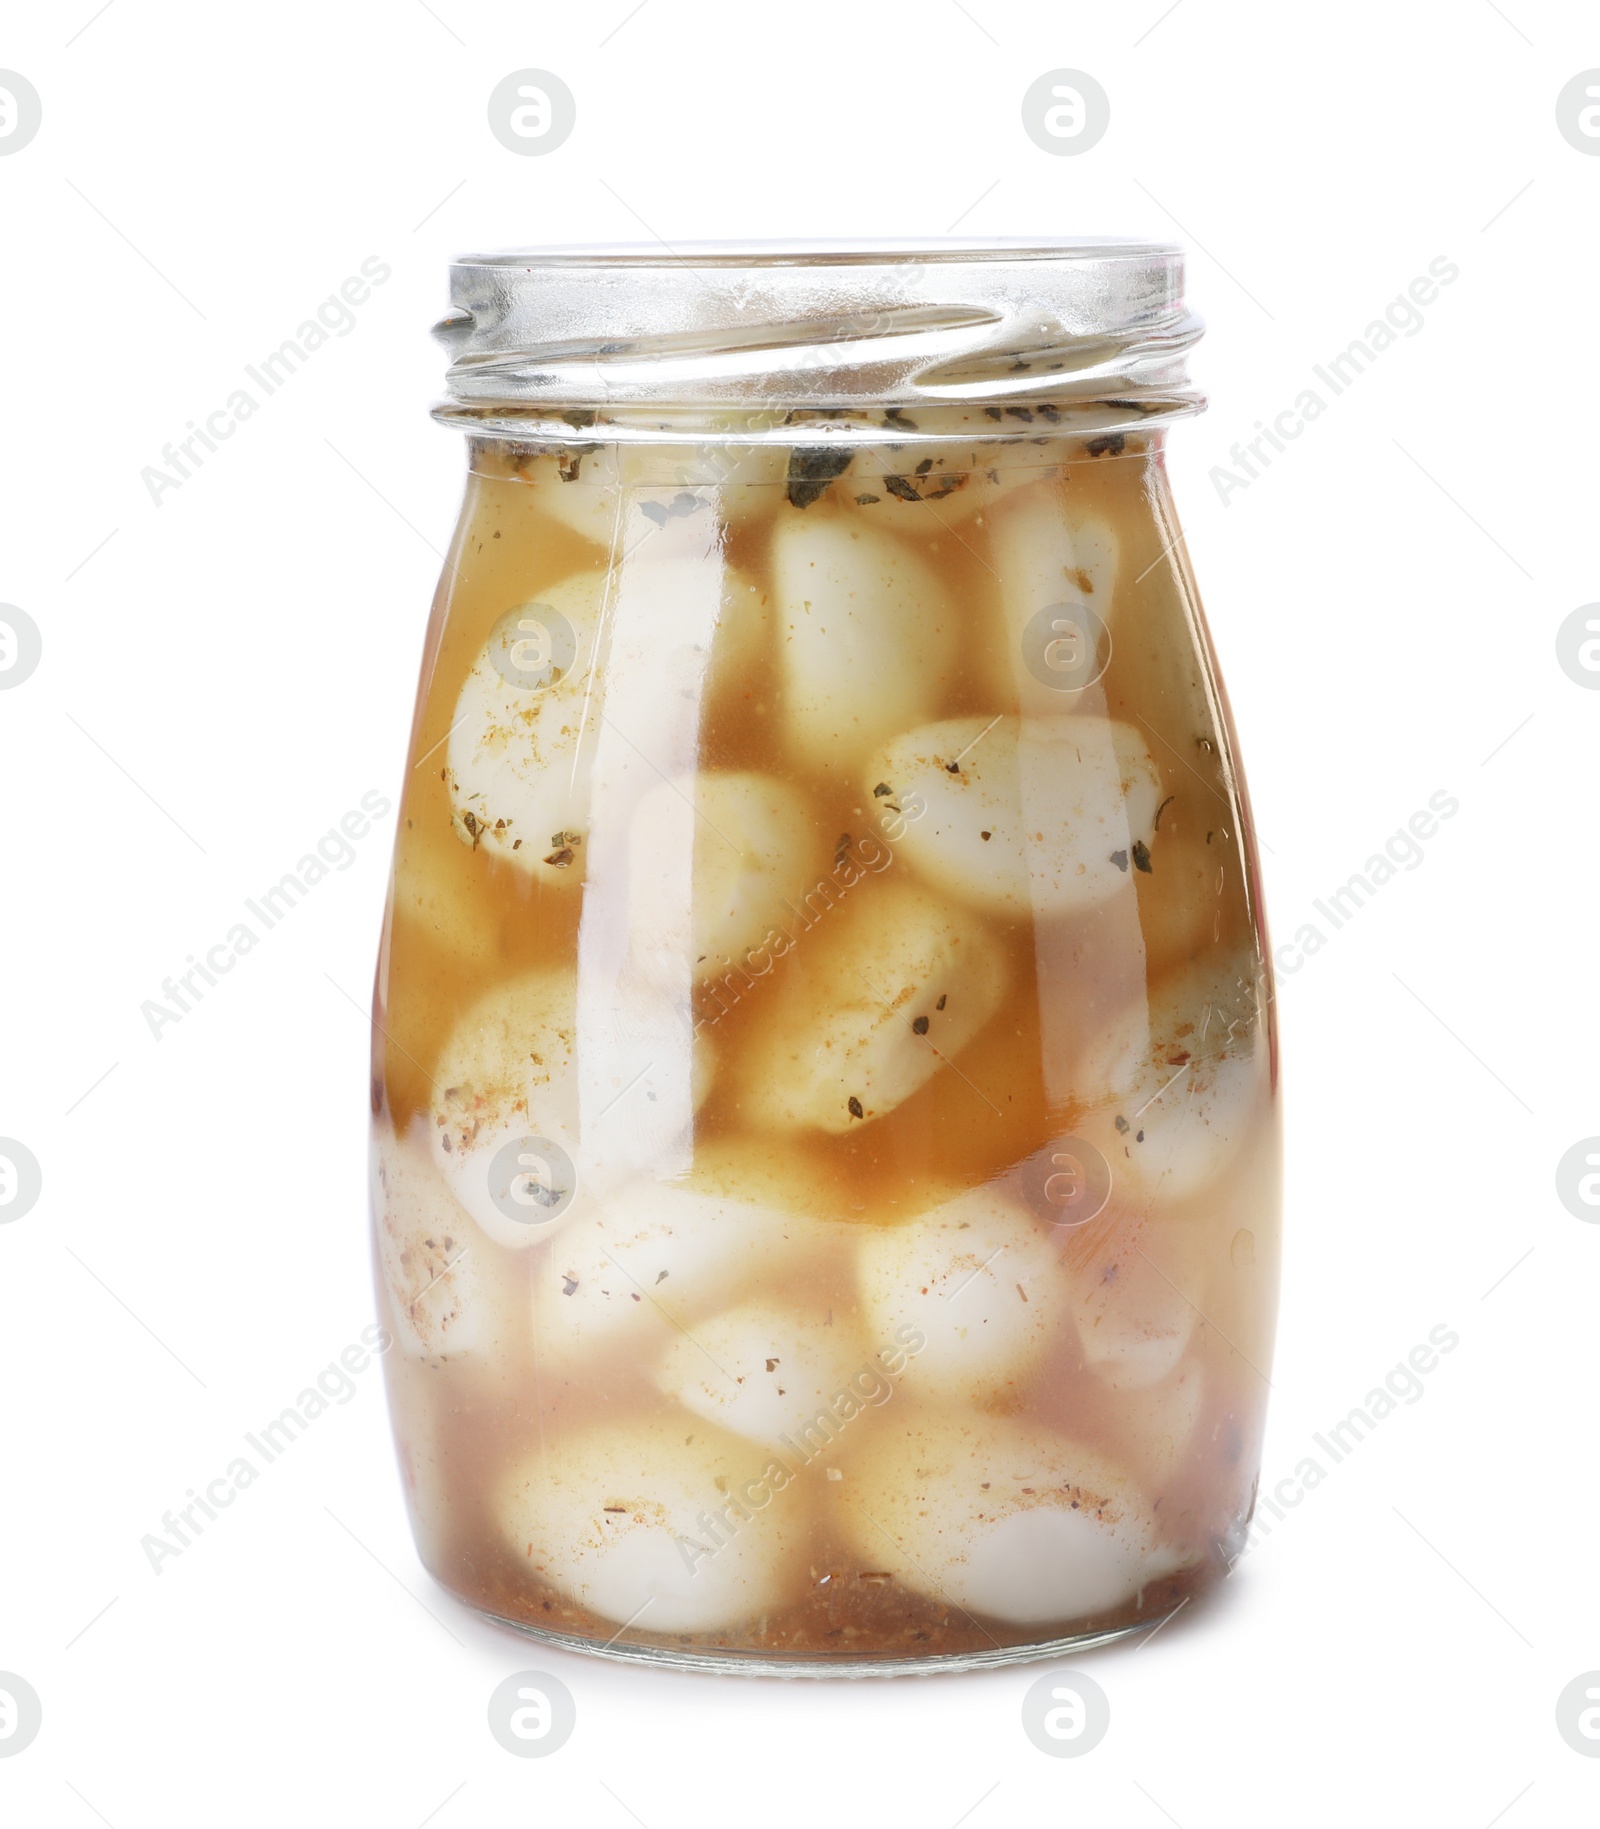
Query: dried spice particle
(579, 418)
(568, 463)
(1161, 809)
(559, 860)
(894, 416)
(901, 489)
(1020, 412)
(925, 466)
(569, 1284)
(1120, 859)
(1122, 1125)
(1141, 857)
(862, 501)
(993, 412)
(881, 789)
(772, 1365)
(921, 1025)
(1110, 445)
(940, 1004)
(952, 768)
(986, 836)
(812, 468)
(854, 1107)
(1050, 414)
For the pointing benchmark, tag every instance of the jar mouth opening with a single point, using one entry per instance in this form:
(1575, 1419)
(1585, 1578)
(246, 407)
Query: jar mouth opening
(741, 328)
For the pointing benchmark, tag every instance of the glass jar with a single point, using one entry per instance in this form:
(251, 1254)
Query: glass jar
(825, 1144)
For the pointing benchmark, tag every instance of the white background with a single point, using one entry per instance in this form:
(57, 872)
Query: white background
(225, 674)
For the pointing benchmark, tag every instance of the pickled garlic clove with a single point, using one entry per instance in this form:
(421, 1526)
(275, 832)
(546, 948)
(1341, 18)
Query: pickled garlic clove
(515, 767)
(1050, 551)
(757, 848)
(507, 1073)
(665, 1523)
(590, 490)
(661, 1255)
(1000, 1518)
(882, 989)
(775, 1374)
(1177, 1080)
(1027, 817)
(867, 637)
(981, 1280)
(440, 1274)
(442, 898)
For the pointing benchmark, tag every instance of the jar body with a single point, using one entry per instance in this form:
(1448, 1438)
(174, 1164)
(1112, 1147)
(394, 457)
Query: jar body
(825, 1154)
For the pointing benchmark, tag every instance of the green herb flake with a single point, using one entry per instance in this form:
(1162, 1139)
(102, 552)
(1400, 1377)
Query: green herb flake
(812, 469)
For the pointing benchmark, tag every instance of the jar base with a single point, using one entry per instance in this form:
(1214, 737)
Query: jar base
(826, 1664)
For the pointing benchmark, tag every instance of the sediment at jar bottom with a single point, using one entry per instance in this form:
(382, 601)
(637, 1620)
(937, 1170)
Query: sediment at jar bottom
(732, 1044)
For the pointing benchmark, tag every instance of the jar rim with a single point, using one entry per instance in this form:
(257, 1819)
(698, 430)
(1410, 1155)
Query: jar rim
(839, 251)
(742, 328)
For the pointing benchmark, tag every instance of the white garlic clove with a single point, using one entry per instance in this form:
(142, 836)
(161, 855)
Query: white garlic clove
(867, 638)
(589, 491)
(661, 1255)
(508, 1072)
(1178, 1078)
(1054, 556)
(774, 1373)
(442, 1277)
(1030, 816)
(517, 768)
(882, 991)
(981, 1280)
(1001, 1519)
(665, 1524)
(757, 849)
